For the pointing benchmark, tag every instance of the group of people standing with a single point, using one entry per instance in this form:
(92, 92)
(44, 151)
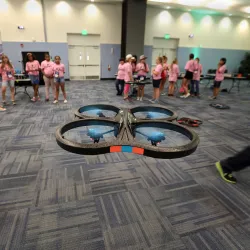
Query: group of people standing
(162, 72)
(53, 75)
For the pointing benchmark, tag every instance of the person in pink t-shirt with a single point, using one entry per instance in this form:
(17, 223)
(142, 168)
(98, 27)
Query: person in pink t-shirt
(141, 69)
(196, 79)
(156, 74)
(219, 77)
(120, 77)
(7, 71)
(190, 67)
(47, 71)
(58, 73)
(32, 68)
(128, 75)
(174, 72)
(164, 74)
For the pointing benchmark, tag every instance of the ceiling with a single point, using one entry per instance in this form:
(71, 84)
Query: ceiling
(225, 7)
(228, 7)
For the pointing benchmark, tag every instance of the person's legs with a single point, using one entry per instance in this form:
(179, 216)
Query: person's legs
(122, 86)
(197, 84)
(52, 84)
(162, 84)
(117, 83)
(4, 87)
(57, 91)
(171, 88)
(126, 90)
(63, 90)
(47, 84)
(192, 87)
(12, 91)
(36, 90)
(142, 92)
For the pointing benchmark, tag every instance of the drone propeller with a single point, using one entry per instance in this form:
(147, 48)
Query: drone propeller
(96, 112)
(154, 136)
(96, 133)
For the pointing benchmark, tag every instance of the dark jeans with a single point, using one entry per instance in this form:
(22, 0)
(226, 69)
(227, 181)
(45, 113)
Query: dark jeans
(237, 162)
(119, 86)
(195, 87)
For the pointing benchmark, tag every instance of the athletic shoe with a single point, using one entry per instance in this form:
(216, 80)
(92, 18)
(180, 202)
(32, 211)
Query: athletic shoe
(2, 109)
(138, 99)
(47, 99)
(225, 176)
(55, 102)
(13, 102)
(163, 93)
(4, 103)
(38, 98)
(33, 99)
(152, 100)
(187, 95)
(212, 97)
(156, 101)
(65, 101)
(182, 96)
(141, 99)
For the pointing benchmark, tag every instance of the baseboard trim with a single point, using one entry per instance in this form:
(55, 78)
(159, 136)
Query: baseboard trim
(103, 79)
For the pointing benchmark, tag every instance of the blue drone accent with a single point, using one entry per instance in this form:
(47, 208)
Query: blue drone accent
(127, 149)
(151, 115)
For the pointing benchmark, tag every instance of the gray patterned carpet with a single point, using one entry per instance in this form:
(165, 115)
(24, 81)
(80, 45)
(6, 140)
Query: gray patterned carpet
(52, 199)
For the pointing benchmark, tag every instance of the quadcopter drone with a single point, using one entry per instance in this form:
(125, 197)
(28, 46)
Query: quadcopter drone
(145, 130)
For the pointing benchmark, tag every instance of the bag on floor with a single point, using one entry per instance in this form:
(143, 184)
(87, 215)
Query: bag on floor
(189, 122)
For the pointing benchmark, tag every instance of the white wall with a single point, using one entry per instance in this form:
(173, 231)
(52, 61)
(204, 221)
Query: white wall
(18, 12)
(72, 17)
(62, 17)
(210, 31)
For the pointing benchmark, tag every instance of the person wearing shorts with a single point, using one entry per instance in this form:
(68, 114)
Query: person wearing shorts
(141, 69)
(8, 80)
(164, 74)
(128, 77)
(47, 71)
(195, 83)
(173, 76)
(58, 73)
(32, 68)
(219, 77)
(119, 83)
(190, 67)
(156, 73)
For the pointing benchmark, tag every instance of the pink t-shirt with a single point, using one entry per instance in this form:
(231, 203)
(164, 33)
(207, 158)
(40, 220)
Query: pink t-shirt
(7, 73)
(191, 65)
(220, 73)
(33, 66)
(121, 72)
(133, 67)
(174, 73)
(58, 70)
(165, 67)
(140, 69)
(158, 69)
(197, 73)
(47, 67)
(128, 72)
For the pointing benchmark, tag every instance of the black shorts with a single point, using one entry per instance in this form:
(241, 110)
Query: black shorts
(217, 84)
(189, 75)
(156, 83)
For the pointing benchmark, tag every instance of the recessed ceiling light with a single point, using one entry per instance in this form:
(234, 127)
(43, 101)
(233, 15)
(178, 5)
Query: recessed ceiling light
(92, 0)
(230, 14)
(168, 7)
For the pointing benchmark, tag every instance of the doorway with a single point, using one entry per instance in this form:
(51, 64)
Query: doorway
(84, 57)
(165, 47)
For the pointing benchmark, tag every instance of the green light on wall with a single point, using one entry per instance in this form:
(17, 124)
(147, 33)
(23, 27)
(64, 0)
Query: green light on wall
(167, 36)
(196, 51)
(84, 32)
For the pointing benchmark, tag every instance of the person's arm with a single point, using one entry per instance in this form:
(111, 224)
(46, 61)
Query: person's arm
(177, 70)
(27, 68)
(147, 68)
(137, 69)
(63, 69)
(155, 72)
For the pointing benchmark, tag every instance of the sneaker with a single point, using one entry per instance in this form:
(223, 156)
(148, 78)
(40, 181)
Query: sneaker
(163, 93)
(225, 176)
(141, 99)
(138, 99)
(55, 102)
(47, 99)
(4, 103)
(38, 98)
(182, 96)
(2, 109)
(156, 101)
(187, 95)
(33, 99)
(212, 97)
(152, 100)
(65, 101)
(13, 102)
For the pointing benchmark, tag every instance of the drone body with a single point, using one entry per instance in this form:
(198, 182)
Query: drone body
(140, 130)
